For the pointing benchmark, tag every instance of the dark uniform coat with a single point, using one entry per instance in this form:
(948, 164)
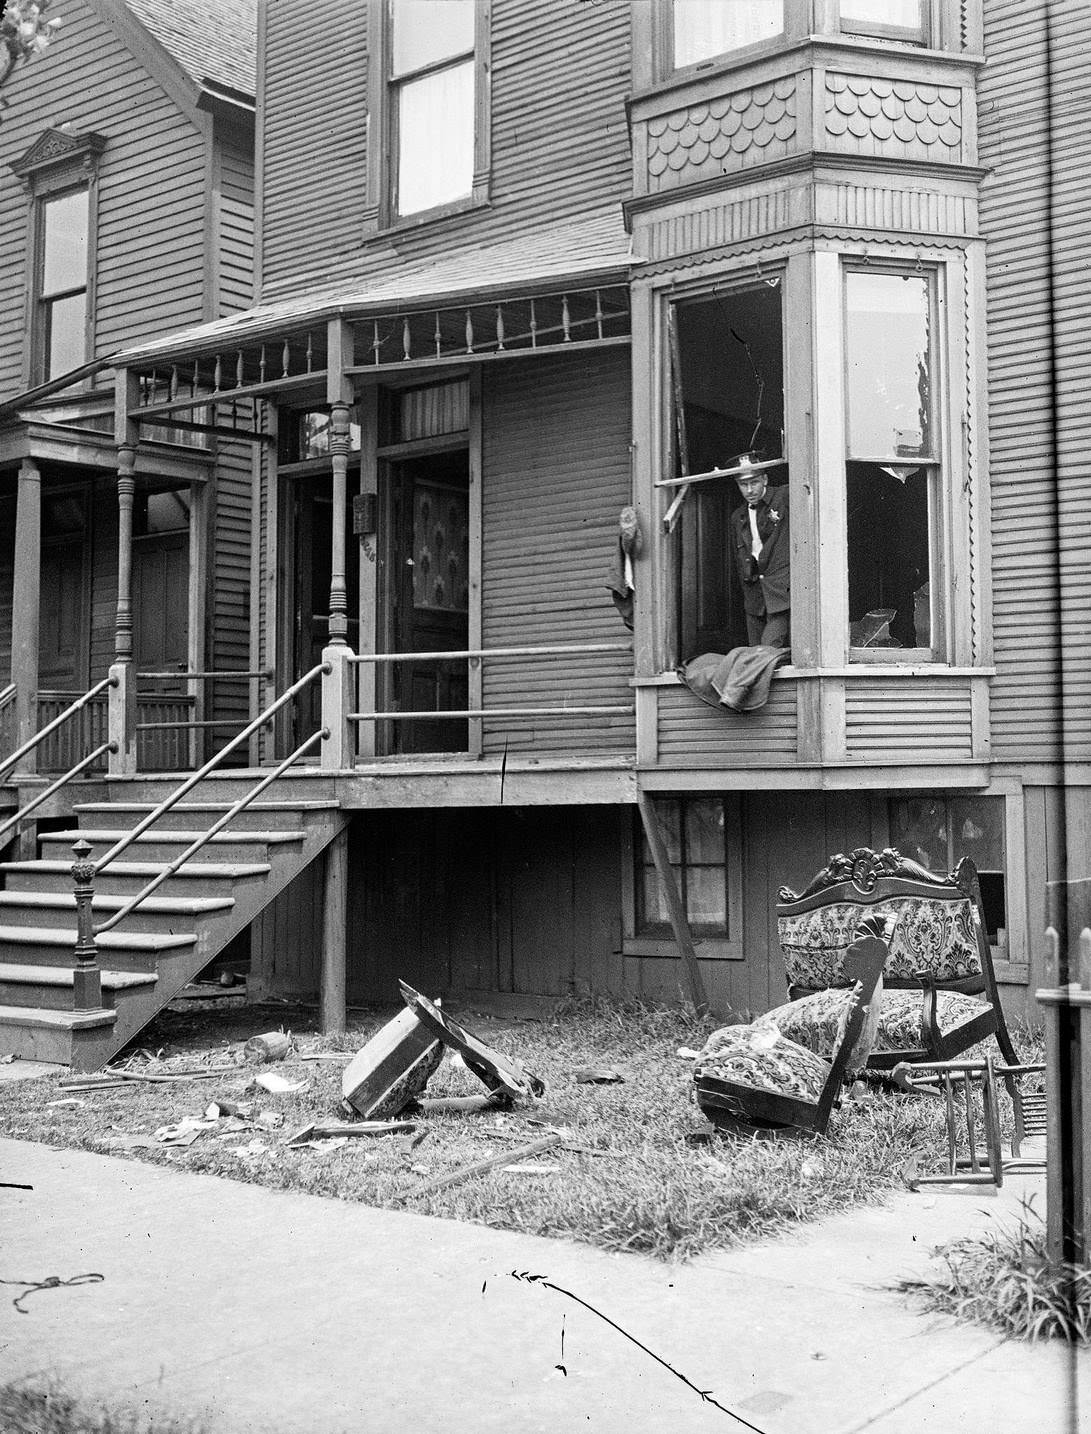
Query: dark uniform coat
(765, 582)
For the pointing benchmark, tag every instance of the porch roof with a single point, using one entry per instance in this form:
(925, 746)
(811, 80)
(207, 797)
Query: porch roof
(590, 251)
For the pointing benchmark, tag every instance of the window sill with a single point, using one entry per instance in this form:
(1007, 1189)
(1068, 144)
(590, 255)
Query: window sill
(397, 228)
(869, 670)
(663, 948)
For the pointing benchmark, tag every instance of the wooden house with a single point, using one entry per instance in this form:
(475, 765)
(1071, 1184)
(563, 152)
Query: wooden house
(524, 264)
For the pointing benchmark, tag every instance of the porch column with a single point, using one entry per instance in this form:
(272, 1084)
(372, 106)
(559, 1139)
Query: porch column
(339, 450)
(25, 604)
(123, 696)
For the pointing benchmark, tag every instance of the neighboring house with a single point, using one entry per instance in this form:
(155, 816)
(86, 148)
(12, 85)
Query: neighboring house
(126, 206)
(525, 263)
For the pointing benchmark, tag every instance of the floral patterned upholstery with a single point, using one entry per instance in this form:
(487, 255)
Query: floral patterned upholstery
(761, 1058)
(816, 1021)
(929, 934)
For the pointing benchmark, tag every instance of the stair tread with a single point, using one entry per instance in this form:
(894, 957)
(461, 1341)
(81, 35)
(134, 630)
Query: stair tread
(227, 869)
(20, 973)
(300, 806)
(118, 940)
(63, 1020)
(172, 834)
(161, 905)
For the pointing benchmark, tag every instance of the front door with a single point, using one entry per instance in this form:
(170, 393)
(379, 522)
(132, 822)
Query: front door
(160, 589)
(427, 538)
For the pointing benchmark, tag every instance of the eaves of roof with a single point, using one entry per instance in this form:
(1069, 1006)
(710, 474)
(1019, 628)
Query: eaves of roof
(591, 251)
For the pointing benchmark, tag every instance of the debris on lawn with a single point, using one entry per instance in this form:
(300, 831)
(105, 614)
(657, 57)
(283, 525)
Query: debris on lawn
(277, 1084)
(326, 1056)
(459, 1104)
(273, 1046)
(343, 1129)
(222, 1106)
(596, 1075)
(506, 1157)
(391, 1069)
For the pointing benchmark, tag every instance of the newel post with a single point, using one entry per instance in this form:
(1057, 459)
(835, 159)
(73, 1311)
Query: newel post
(86, 975)
(338, 690)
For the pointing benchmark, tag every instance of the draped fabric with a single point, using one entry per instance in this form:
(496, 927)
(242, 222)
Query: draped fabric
(703, 28)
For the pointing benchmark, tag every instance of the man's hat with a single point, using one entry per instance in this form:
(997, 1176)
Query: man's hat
(744, 464)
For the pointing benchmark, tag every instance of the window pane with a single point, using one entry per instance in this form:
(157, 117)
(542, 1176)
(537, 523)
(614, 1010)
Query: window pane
(167, 512)
(67, 327)
(977, 831)
(706, 898)
(889, 365)
(904, 14)
(888, 541)
(436, 139)
(64, 259)
(918, 829)
(654, 906)
(705, 831)
(704, 28)
(667, 811)
(429, 30)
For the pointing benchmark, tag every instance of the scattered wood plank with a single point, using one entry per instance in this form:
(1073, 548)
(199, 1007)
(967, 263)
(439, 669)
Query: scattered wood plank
(323, 1129)
(467, 1172)
(461, 1104)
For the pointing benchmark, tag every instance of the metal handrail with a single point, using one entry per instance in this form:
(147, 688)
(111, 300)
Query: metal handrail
(7, 695)
(197, 676)
(47, 792)
(187, 786)
(205, 837)
(17, 756)
(463, 714)
(572, 649)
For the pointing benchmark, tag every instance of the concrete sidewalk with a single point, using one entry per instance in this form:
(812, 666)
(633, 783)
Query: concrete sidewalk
(276, 1313)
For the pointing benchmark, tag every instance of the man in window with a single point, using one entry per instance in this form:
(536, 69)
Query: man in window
(762, 547)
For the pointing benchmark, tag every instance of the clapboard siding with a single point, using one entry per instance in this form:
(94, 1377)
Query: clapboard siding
(314, 126)
(1017, 117)
(150, 193)
(236, 225)
(558, 130)
(927, 720)
(555, 474)
(691, 732)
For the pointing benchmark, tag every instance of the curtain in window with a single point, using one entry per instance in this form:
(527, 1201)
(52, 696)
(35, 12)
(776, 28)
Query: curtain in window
(436, 138)
(703, 28)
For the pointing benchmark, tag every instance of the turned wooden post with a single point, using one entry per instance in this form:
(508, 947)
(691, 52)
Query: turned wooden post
(86, 975)
(340, 442)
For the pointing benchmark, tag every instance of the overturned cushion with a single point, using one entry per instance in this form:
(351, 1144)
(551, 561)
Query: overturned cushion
(816, 1021)
(925, 933)
(763, 1059)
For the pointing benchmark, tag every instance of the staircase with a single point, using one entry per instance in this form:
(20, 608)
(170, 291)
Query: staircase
(171, 936)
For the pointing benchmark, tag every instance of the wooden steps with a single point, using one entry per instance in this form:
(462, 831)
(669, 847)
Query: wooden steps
(159, 948)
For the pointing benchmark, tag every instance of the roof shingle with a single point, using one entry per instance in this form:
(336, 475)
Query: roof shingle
(215, 42)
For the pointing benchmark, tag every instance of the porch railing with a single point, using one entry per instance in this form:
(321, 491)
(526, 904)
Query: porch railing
(482, 655)
(56, 724)
(168, 731)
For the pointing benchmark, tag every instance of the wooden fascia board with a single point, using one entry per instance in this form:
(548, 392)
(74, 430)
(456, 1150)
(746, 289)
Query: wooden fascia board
(46, 442)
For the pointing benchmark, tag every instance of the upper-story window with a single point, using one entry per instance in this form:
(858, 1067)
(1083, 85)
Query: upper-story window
(706, 29)
(428, 101)
(886, 19)
(61, 319)
(892, 464)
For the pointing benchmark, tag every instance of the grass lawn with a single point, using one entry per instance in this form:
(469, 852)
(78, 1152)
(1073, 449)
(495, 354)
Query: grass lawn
(645, 1186)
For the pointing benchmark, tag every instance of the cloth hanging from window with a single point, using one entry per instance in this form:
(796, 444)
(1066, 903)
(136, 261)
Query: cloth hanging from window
(738, 680)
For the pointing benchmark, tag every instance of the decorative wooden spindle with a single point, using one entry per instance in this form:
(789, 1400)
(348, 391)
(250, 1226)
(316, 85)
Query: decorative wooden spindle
(261, 363)
(438, 337)
(566, 322)
(285, 360)
(598, 312)
(533, 325)
(469, 332)
(86, 974)
(340, 444)
(499, 328)
(406, 351)
(310, 352)
(126, 492)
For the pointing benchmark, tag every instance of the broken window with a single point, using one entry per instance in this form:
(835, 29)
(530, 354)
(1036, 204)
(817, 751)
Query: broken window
(892, 469)
(938, 832)
(694, 833)
(727, 365)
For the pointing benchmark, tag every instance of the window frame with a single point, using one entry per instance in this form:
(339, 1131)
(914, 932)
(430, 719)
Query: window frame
(57, 164)
(381, 214)
(937, 652)
(921, 36)
(636, 942)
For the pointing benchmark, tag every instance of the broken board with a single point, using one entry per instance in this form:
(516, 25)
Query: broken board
(392, 1069)
(498, 1072)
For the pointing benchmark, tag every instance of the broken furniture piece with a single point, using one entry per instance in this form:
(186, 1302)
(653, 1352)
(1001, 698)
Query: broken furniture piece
(940, 995)
(752, 1080)
(498, 1072)
(392, 1069)
(970, 1090)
